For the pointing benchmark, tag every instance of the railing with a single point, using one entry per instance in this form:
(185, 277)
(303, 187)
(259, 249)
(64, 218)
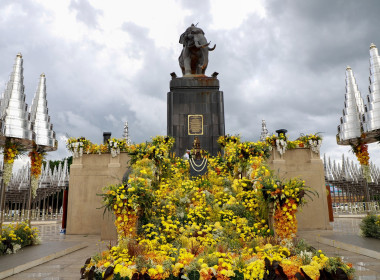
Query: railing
(350, 191)
(36, 215)
(48, 202)
(356, 207)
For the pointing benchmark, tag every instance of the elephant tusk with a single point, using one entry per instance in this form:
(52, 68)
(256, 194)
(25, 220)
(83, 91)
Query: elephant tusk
(213, 48)
(199, 46)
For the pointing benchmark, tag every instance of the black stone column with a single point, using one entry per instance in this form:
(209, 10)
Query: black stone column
(195, 96)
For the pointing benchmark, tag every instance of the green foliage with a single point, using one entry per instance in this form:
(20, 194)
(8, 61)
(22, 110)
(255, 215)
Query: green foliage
(3, 247)
(334, 263)
(98, 276)
(238, 275)
(55, 163)
(97, 257)
(118, 277)
(304, 250)
(370, 226)
(194, 275)
(301, 245)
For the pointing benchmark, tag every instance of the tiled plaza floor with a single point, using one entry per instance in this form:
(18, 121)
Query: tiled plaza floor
(68, 267)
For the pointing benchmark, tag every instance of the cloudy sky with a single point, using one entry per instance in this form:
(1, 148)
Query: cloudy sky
(109, 61)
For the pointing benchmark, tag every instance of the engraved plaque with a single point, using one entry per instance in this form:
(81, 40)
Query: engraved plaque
(195, 124)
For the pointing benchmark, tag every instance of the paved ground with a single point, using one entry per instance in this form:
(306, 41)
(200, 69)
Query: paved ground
(367, 268)
(67, 267)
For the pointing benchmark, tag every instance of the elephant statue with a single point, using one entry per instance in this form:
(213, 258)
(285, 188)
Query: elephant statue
(194, 55)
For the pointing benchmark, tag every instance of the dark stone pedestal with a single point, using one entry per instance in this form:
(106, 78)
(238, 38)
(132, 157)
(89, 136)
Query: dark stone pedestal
(198, 96)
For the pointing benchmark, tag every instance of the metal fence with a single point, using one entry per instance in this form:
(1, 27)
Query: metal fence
(350, 192)
(356, 207)
(47, 205)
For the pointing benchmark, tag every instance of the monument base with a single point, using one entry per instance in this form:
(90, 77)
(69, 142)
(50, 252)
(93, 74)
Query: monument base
(88, 175)
(307, 165)
(195, 109)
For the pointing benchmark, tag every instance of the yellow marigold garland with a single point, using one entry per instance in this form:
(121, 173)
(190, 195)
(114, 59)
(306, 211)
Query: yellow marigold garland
(11, 151)
(285, 220)
(361, 152)
(36, 159)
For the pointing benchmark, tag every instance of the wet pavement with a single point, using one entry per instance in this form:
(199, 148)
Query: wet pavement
(347, 230)
(65, 267)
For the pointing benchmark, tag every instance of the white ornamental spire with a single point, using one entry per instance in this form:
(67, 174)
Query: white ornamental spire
(264, 131)
(45, 135)
(351, 126)
(126, 134)
(372, 116)
(13, 109)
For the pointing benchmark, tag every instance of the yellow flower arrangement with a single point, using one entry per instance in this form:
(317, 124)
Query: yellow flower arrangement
(16, 236)
(210, 227)
(304, 141)
(81, 145)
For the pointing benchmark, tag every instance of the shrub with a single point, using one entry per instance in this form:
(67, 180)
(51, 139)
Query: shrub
(370, 226)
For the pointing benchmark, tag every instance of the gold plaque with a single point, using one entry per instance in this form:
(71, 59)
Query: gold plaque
(195, 124)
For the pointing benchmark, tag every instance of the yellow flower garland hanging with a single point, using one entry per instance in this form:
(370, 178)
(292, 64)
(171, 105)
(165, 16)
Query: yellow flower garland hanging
(361, 152)
(36, 158)
(11, 151)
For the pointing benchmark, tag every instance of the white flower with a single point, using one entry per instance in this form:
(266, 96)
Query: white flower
(7, 173)
(315, 145)
(281, 146)
(34, 185)
(77, 149)
(16, 247)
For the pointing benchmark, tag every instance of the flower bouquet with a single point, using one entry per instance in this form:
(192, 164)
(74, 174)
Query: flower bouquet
(78, 145)
(280, 142)
(16, 236)
(115, 146)
(312, 141)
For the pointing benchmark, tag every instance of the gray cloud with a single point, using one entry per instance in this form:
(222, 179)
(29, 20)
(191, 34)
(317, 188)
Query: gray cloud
(85, 12)
(287, 68)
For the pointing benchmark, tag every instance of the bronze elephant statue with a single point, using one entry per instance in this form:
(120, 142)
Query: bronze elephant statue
(194, 55)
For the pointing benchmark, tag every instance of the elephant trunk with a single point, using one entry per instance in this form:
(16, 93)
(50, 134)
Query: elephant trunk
(200, 41)
(205, 58)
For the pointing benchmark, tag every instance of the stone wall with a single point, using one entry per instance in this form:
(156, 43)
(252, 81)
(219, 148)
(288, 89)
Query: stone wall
(307, 165)
(88, 175)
